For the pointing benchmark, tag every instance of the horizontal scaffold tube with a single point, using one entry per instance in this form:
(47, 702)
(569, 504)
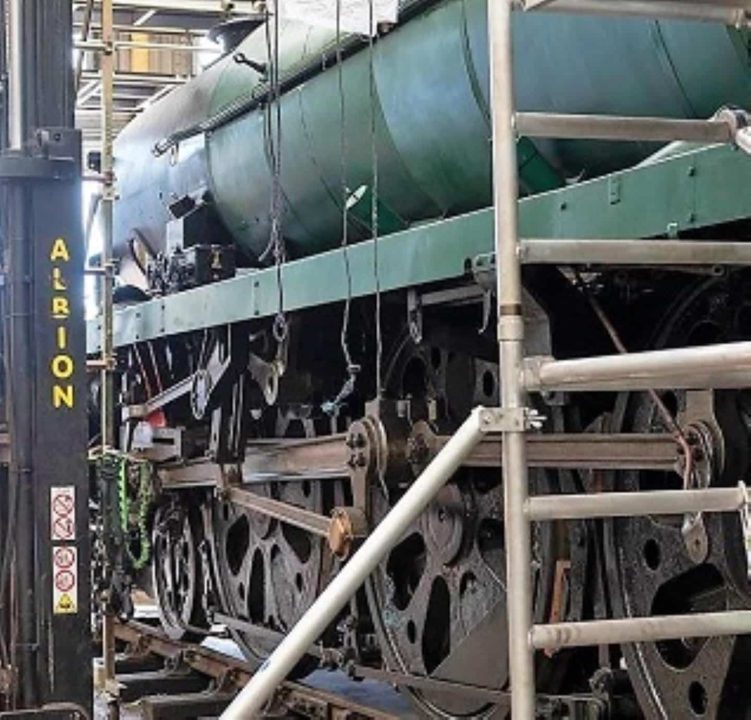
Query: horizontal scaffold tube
(734, 14)
(628, 504)
(653, 629)
(606, 127)
(713, 366)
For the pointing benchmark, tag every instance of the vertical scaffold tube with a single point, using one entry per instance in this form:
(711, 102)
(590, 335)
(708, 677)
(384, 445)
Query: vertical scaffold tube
(108, 200)
(16, 103)
(249, 703)
(511, 337)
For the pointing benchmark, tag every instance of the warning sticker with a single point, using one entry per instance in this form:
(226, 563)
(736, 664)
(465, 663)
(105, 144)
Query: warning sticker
(65, 580)
(63, 513)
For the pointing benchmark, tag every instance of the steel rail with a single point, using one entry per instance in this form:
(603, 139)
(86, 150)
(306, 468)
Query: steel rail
(429, 684)
(233, 674)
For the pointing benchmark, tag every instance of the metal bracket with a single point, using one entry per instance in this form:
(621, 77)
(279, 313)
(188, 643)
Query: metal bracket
(745, 514)
(414, 316)
(8, 680)
(501, 420)
(261, 68)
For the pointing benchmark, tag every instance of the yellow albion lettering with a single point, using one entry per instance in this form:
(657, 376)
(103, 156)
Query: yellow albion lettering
(60, 308)
(60, 251)
(62, 396)
(62, 365)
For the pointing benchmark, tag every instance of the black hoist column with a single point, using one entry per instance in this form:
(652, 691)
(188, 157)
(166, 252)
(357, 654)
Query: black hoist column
(45, 627)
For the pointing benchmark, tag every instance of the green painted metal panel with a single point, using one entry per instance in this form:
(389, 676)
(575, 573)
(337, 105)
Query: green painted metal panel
(699, 189)
(430, 104)
(418, 256)
(702, 188)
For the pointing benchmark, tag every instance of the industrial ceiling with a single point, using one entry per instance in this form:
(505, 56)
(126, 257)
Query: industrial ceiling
(162, 43)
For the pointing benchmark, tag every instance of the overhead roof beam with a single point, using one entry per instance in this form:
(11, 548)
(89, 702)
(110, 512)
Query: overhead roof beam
(144, 18)
(238, 7)
(151, 30)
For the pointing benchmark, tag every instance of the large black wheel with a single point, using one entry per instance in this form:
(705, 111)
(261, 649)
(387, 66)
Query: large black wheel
(178, 572)
(439, 598)
(270, 572)
(657, 565)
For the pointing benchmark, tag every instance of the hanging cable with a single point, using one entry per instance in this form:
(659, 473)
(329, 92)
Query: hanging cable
(273, 134)
(374, 220)
(332, 407)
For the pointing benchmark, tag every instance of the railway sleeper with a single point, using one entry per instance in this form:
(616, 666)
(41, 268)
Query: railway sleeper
(209, 703)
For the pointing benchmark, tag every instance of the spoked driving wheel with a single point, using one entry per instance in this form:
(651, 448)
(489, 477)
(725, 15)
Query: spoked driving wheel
(663, 565)
(439, 598)
(269, 572)
(178, 572)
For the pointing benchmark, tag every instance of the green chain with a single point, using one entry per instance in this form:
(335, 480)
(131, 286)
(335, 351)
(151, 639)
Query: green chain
(145, 496)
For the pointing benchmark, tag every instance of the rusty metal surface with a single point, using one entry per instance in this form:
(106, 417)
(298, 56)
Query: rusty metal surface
(327, 457)
(299, 517)
(267, 460)
(578, 452)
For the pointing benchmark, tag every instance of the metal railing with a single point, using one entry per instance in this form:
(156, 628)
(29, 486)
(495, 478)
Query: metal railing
(725, 366)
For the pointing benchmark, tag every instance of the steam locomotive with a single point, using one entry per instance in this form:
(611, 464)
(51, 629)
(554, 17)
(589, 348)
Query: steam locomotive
(306, 314)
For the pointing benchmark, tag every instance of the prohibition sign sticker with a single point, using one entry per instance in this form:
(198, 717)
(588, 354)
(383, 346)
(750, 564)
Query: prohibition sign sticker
(63, 513)
(65, 580)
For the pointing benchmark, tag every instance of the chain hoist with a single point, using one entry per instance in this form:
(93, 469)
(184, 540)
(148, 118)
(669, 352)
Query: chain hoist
(136, 528)
(126, 495)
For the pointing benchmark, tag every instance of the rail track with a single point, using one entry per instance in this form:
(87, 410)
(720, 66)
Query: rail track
(172, 680)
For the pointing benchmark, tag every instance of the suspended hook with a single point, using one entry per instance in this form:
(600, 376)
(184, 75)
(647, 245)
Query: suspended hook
(242, 59)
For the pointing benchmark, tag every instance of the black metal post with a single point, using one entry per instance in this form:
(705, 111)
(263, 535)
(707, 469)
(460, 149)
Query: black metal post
(47, 524)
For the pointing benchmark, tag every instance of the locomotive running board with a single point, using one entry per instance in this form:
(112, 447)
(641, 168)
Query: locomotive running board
(672, 196)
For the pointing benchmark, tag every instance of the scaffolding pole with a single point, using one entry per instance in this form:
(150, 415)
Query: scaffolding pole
(15, 76)
(733, 14)
(107, 377)
(511, 341)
